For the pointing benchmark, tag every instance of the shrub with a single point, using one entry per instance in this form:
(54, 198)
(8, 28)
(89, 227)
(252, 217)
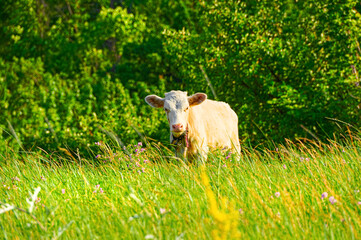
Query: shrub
(284, 67)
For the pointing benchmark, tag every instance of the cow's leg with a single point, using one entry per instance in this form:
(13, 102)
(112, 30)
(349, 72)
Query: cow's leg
(197, 154)
(236, 145)
(181, 152)
(238, 152)
(236, 148)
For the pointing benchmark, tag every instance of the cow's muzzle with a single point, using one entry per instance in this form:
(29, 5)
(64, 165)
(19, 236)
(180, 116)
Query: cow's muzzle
(178, 129)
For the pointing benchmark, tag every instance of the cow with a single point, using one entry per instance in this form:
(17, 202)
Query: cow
(198, 124)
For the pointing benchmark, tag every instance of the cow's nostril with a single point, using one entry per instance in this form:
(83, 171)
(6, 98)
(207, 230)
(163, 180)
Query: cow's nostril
(177, 127)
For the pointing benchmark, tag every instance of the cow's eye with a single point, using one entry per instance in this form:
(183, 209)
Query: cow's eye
(186, 109)
(166, 109)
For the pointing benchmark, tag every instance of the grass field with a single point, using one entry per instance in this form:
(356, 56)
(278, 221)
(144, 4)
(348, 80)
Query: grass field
(298, 191)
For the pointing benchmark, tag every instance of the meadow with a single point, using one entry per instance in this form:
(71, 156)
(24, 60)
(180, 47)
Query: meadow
(299, 190)
(75, 73)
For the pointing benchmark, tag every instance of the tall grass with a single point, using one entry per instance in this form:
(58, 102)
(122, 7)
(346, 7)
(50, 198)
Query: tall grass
(143, 193)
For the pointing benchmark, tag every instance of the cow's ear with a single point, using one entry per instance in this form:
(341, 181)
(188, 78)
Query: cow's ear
(154, 101)
(196, 99)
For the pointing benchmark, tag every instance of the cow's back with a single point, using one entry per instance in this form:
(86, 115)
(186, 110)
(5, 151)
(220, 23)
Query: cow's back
(215, 124)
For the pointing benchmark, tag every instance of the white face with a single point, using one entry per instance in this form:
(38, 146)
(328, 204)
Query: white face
(176, 104)
(176, 107)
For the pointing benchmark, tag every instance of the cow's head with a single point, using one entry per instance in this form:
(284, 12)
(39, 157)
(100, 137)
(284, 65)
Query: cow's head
(176, 104)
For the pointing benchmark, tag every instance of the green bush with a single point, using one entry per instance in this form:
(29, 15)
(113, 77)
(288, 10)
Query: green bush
(71, 71)
(284, 67)
(70, 86)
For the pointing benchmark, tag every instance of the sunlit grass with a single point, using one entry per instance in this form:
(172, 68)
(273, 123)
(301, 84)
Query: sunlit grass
(151, 195)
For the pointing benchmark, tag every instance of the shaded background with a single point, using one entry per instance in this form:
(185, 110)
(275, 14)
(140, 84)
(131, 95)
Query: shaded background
(73, 71)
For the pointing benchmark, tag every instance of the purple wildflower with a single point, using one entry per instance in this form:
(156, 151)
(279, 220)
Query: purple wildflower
(142, 149)
(97, 156)
(16, 179)
(162, 210)
(101, 190)
(43, 178)
(98, 143)
(146, 160)
(332, 200)
(277, 194)
(284, 166)
(140, 144)
(359, 203)
(324, 195)
(240, 211)
(97, 186)
(63, 191)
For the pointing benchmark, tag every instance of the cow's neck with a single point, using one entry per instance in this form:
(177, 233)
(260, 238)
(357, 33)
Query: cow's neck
(181, 140)
(181, 143)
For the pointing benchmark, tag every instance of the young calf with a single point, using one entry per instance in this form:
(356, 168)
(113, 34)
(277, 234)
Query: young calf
(198, 124)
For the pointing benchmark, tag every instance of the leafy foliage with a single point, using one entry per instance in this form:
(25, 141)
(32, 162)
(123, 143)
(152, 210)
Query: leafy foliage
(72, 81)
(281, 65)
(70, 71)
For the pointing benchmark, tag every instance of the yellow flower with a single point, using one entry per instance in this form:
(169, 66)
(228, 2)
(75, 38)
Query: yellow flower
(225, 220)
